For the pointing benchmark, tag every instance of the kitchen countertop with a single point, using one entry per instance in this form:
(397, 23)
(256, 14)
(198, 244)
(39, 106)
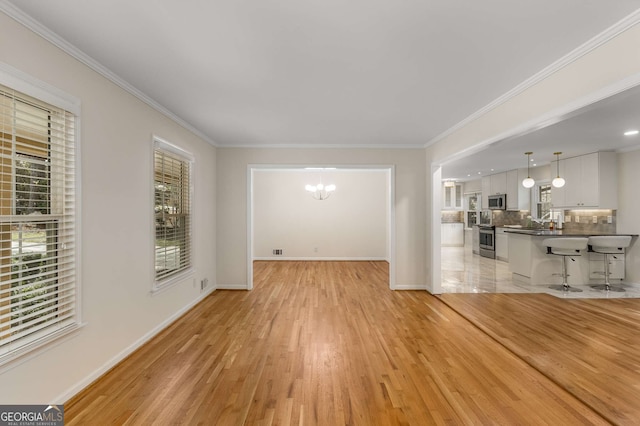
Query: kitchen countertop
(559, 233)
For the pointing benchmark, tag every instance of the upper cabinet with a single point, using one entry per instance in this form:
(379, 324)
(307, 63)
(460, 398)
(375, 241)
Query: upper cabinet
(452, 197)
(590, 181)
(518, 197)
(499, 183)
(507, 183)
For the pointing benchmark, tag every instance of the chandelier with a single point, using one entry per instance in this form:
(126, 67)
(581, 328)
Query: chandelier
(319, 191)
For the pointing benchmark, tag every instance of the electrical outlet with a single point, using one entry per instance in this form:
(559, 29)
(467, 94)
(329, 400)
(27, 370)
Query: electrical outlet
(315, 249)
(595, 219)
(277, 252)
(577, 219)
(609, 219)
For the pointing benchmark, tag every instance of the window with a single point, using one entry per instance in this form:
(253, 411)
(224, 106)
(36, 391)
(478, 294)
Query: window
(543, 201)
(38, 283)
(172, 209)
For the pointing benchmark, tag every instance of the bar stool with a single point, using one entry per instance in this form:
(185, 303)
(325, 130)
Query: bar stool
(565, 247)
(609, 245)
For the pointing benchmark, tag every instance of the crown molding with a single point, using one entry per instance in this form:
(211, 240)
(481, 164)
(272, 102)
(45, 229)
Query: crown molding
(592, 44)
(21, 17)
(321, 146)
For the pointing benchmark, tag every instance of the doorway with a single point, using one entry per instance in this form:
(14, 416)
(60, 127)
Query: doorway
(285, 222)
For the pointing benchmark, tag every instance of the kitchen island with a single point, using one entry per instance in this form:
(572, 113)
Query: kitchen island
(529, 262)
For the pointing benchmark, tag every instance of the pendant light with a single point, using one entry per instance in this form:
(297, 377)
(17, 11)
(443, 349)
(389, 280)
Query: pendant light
(528, 182)
(558, 182)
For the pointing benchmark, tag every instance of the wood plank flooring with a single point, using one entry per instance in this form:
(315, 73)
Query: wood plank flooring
(591, 347)
(328, 343)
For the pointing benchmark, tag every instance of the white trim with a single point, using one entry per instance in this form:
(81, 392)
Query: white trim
(233, 287)
(87, 380)
(324, 146)
(391, 243)
(592, 44)
(404, 287)
(29, 85)
(436, 206)
(158, 286)
(21, 17)
(22, 82)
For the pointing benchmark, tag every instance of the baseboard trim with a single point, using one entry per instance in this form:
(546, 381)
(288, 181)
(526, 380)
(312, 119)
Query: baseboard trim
(411, 287)
(231, 287)
(78, 387)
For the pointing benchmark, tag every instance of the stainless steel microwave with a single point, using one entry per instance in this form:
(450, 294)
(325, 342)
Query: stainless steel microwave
(498, 202)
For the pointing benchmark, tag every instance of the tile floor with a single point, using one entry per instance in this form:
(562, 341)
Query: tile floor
(465, 272)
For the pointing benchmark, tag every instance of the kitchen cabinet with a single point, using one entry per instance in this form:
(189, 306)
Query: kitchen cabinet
(499, 183)
(475, 248)
(507, 183)
(486, 190)
(452, 197)
(452, 234)
(518, 197)
(502, 245)
(590, 182)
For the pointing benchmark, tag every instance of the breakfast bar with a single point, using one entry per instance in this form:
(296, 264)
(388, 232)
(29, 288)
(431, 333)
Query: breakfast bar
(529, 262)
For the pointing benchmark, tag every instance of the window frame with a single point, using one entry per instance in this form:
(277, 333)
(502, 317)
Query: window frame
(536, 198)
(181, 275)
(43, 339)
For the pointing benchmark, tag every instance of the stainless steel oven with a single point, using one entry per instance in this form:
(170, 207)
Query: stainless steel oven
(487, 241)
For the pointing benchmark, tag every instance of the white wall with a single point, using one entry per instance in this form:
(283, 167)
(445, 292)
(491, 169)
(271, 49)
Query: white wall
(350, 224)
(628, 214)
(117, 223)
(232, 165)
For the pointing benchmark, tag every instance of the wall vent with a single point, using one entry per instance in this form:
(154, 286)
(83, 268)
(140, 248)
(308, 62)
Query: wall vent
(277, 252)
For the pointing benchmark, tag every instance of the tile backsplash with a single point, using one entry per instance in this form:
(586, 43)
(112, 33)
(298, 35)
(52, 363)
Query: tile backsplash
(583, 220)
(451, 216)
(574, 220)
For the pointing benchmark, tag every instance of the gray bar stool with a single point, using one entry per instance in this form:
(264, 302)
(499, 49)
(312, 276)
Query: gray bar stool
(609, 245)
(565, 247)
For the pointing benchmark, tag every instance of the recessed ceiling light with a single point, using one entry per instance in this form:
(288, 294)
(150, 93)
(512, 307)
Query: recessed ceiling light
(631, 132)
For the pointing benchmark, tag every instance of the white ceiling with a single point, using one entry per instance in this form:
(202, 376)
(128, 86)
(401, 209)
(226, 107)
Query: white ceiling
(356, 73)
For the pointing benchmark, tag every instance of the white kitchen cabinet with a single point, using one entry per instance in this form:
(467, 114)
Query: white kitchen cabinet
(518, 197)
(475, 248)
(590, 182)
(452, 197)
(486, 190)
(499, 183)
(452, 234)
(502, 245)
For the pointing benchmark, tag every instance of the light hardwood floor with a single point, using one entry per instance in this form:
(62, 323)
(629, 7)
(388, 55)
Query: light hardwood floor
(328, 343)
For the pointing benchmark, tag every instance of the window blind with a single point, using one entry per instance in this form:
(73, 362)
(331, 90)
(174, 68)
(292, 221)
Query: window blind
(172, 198)
(38, 295)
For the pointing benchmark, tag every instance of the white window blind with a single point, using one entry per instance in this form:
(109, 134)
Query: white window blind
(172, 198)
(38, 297)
